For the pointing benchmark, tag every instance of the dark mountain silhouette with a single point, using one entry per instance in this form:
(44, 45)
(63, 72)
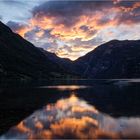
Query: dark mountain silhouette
(19, 59)
(114, 59)
(63, 62)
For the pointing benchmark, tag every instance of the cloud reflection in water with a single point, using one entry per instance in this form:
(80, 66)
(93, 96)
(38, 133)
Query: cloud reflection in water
(73, 118)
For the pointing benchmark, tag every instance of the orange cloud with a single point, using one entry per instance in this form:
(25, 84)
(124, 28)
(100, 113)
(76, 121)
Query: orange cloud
(22, 127)
(40, 33)
(23, 31)
(130, 9)
(87, 21)
(65, 33)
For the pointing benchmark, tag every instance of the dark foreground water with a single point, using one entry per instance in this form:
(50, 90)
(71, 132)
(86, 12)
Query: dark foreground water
(71, 109)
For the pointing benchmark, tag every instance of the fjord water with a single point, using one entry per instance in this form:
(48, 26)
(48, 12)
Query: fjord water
(116, 101)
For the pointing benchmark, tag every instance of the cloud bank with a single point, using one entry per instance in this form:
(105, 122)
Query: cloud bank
(77, 27)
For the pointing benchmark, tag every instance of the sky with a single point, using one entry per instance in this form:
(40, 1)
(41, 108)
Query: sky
(71, 29)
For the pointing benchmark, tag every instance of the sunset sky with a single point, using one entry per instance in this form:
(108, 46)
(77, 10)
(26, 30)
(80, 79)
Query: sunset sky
(72, 28)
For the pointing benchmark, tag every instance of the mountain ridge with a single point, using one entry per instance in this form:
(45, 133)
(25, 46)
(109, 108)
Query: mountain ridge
(21, 59)
(113, 59)
(122, 57)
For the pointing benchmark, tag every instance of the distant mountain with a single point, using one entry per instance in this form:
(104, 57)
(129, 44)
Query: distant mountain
(62, 62)
(19, 59)
(114, 59)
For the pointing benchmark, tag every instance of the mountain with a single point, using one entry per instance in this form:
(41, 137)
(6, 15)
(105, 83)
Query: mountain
(62, 62)
(114, 59)
(19, 59)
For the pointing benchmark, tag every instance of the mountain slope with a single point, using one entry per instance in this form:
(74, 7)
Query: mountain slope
(20, 59)
(62, 62)
(114, 59)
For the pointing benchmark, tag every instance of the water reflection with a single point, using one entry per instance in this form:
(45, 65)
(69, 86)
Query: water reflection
(73, 118)
(65, 87)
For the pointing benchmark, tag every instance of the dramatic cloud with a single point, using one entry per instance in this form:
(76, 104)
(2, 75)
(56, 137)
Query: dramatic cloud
(73, 118)
(18, 27)
(74, 25)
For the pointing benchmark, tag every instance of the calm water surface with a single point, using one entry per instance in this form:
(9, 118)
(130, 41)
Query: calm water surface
(104, 108)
